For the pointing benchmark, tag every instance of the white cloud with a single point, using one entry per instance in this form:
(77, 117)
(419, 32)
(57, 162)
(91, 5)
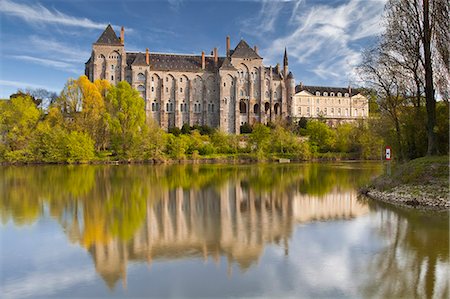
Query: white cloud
(324, 38)
(49, 63)
(55, 48)
(18, 84)
(38, 14)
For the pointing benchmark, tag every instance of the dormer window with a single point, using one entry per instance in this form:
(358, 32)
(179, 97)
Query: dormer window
(325, 94)
(317, 93)
(339, 94)
(332, 94)
(346, 95)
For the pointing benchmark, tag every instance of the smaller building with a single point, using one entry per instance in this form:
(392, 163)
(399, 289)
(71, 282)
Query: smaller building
(334, 104)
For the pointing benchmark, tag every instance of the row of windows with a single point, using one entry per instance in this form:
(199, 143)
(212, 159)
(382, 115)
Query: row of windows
(330, 101)
(325, 111)
(332, 94)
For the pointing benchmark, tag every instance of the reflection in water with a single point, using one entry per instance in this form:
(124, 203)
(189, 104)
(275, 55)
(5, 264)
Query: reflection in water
(124, 214)
(415, 263)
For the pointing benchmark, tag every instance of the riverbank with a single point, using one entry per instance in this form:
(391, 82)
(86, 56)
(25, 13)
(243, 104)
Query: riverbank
(421, 183)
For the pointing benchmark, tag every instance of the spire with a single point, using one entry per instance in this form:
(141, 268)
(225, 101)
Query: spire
(285, 58)
(285, 63)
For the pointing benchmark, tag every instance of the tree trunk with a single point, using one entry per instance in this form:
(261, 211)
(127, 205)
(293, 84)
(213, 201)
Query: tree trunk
(429, 90)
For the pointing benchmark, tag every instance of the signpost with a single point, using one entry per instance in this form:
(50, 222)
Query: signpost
(388, 156)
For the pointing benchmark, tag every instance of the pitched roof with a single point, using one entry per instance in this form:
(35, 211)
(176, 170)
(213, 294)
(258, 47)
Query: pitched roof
(243, 50)
(174, 62)
(109, 37)
(322, 89)
(226, 64)
(140, 59)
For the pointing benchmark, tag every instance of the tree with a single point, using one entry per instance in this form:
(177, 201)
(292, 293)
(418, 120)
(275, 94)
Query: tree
(320, 135)
(127, 116)
(416, 39)
(18, 119)
(379, 72)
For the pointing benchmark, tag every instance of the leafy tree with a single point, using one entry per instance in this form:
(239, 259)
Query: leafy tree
(18, 119)
(127, 117)
(320, 135)
(259, 138)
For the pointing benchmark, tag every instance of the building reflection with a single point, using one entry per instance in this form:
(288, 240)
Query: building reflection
(233, 221)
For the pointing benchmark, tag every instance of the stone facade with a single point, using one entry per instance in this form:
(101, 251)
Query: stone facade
(219, 91)
(334, 104)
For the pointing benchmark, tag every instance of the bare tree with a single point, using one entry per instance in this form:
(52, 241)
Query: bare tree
(380, 73)
(417, 39)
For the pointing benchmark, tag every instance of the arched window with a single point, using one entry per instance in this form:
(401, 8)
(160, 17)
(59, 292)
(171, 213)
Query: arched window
(242, 107)
(267, 94)
(181, 107)
(276, 108)
(242, 93)
(275, 95)
(141, 77)
(256, 109)
(141, 90)
(266, 107)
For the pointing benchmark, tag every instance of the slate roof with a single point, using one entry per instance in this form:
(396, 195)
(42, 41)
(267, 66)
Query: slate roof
(322, 89)
(139, 59)
(226, 64)
(108, 37)
(173, 62)
(243, 50)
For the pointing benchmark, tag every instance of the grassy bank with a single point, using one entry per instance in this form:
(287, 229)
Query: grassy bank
(419, 183)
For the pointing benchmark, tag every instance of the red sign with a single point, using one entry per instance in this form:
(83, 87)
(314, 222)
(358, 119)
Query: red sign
(388, 153)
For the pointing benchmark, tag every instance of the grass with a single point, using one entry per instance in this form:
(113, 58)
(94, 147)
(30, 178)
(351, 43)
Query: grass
(432, 170)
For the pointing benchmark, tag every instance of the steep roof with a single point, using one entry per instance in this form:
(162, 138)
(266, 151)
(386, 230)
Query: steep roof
(139, 59)
(275, 75)
(174, 62)
(243, 50)
(322, 89)
(226, 64)
(108, 37)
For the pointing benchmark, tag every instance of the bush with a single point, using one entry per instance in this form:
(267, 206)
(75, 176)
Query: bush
(246, 128)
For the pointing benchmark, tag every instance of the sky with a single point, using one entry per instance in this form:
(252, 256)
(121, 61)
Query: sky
(44, 43)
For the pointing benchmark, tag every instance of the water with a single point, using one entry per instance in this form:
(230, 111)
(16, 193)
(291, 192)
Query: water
(278, 231)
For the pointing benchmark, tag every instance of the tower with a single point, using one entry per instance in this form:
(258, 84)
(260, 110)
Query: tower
(108, 58)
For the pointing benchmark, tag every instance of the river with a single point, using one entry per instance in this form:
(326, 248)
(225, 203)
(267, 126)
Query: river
(213, 231)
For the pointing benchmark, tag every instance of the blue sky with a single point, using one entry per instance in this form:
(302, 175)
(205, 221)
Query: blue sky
(43, 43)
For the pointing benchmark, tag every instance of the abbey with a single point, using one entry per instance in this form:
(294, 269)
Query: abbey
(223, 92)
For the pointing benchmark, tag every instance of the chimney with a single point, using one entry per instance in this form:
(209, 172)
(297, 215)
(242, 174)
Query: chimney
(203, 60)
(278, 68)
(349, 90)
(228, 46)
(216, 59)
(147, 57)
(256, 49)
(122, 35)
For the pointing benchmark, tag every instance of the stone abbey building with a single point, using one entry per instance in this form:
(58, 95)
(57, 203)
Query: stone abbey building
(219, 91)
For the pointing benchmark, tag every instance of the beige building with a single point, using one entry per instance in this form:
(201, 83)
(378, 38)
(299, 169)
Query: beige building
(334, 104)
(219, 91)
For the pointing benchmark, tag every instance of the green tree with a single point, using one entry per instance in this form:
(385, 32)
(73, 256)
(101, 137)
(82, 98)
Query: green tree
(127, 117)
(259, 138)
(320, 135)
(18, 119)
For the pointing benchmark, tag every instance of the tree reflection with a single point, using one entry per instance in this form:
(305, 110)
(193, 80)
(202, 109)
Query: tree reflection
(417, 250)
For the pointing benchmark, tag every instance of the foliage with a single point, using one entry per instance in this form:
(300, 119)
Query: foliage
(127, 117)
(321, 136)
(18, 118)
